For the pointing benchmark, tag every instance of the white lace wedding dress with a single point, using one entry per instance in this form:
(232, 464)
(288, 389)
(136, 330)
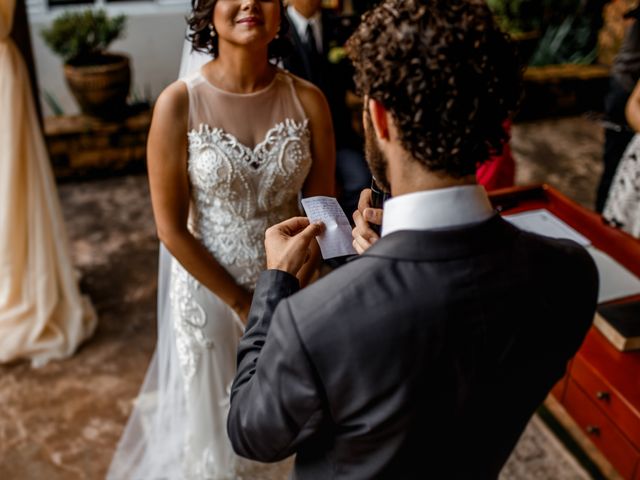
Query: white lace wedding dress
(249, 155)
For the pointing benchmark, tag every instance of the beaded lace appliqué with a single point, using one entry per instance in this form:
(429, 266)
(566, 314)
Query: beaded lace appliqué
(239, 192)
(189, 318)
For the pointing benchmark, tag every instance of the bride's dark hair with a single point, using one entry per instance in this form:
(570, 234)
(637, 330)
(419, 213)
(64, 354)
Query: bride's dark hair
(201, 39)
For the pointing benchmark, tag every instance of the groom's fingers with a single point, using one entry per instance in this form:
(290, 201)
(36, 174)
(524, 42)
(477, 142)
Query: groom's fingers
(287, 243)
(365, 199)
(373, 215)
(301, 241)
(293, 225)
(311, 231)
(362, 228)
(363, 236)
(287, 228)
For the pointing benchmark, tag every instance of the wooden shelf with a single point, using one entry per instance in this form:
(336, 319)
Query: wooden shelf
(80, 145)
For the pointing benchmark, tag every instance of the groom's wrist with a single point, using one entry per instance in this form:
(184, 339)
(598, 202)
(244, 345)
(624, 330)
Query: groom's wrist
(278, 280)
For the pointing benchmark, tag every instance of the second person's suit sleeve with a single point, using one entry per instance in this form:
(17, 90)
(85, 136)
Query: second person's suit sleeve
(275, 398)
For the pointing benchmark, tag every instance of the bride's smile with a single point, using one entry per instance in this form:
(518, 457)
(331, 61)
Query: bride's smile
(246, 22)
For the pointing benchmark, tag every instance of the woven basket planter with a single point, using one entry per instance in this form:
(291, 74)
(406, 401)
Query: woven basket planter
(101, 90)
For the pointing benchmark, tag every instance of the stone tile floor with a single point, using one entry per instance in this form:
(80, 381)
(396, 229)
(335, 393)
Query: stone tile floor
(565, 153)
(62, 421)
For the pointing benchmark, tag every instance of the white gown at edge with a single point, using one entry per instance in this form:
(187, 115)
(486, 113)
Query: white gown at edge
(43, 315)
(622, 208)
(249, 155)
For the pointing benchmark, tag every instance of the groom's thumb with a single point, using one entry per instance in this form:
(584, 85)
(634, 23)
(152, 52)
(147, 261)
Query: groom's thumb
(311, 231)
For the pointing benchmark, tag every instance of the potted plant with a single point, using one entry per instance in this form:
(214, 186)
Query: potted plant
(523, 20)
(98, 80)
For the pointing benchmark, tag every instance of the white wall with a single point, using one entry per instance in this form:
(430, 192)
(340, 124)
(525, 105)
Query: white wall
(153, 40)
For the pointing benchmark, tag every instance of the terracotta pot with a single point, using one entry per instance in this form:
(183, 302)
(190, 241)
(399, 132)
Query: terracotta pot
(101, 90)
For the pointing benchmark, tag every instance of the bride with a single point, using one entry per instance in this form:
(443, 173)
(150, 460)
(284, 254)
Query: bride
(230, 149)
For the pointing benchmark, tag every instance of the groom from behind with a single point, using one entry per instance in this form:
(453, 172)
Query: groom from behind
(426, 356)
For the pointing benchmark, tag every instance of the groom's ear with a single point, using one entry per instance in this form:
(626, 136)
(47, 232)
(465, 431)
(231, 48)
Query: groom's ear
(379, 118)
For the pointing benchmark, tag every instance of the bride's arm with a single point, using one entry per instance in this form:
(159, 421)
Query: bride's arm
(168, 179)
(321, 178)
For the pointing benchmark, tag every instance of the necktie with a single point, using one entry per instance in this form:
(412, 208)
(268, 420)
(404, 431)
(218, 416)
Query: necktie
(315, 61)
(311, 41)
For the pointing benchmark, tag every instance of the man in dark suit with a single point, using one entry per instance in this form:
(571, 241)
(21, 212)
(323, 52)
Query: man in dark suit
(313, 32)
(425, 356)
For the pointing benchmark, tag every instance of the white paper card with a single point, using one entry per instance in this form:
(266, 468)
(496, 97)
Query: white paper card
(615, 280)
(543, 222)
(336, 240)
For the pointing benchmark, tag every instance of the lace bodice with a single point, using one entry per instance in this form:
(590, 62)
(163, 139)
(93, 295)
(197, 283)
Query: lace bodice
(238, 191)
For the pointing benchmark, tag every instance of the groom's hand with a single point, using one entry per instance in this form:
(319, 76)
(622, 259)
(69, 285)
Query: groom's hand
(363, 236)
(287, 244)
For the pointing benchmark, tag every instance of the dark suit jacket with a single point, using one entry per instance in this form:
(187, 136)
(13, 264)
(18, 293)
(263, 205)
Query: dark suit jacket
(423, 358)
(333, 79)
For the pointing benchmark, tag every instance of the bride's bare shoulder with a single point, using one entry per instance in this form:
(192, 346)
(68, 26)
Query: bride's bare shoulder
(312, 99)
(173, 102)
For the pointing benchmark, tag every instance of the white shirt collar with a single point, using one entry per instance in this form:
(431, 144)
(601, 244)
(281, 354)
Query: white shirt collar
(300, 23)
(432, 209)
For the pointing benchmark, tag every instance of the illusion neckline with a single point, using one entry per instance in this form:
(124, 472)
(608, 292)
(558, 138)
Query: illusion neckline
(240, 95)
(253, 153)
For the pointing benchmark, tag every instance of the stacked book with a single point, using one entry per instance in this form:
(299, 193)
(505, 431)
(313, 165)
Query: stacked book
(620, 324)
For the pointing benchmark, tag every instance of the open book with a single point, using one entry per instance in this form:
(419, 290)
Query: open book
(615, 280)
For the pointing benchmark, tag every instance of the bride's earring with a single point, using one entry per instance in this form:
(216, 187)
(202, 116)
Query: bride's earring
(212, 31)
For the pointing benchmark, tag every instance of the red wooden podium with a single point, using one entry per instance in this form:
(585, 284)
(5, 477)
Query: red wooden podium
(601, 390)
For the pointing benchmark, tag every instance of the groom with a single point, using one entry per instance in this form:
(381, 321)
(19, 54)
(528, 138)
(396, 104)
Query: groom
(426, 356)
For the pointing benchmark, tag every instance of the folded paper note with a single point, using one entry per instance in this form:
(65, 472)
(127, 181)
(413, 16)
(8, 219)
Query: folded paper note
(336, 240)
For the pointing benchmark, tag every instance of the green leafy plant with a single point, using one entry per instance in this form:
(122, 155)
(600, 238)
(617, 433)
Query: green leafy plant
(81, 38)
(517, 16)
(568, 42)
(568, 29)
(572, 34)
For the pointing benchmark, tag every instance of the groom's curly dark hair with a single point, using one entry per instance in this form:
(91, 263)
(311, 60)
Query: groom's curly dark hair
(447, 74)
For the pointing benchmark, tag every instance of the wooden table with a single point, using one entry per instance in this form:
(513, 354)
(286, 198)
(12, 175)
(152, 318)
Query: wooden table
(601, 390)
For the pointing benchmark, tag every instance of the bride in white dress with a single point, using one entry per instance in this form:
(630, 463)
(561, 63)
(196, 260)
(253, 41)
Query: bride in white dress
(231, 148)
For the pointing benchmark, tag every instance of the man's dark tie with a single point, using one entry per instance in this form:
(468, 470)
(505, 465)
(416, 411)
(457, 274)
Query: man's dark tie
(315, 58)
(312, 46)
